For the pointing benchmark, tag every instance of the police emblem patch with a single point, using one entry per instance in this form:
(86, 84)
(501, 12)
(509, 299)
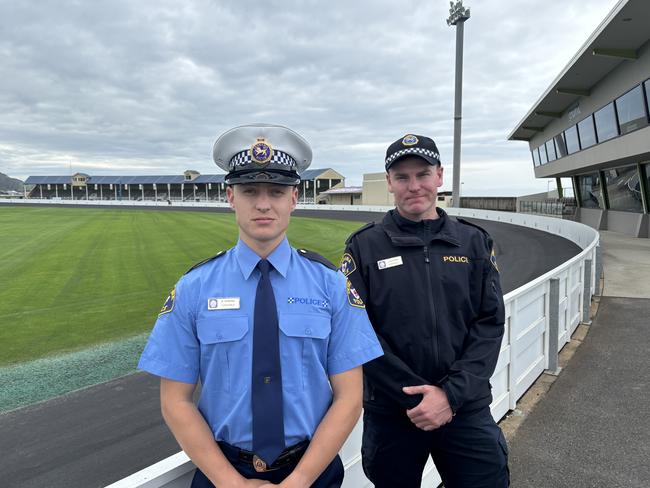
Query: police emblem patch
(261, 151)
(493, 260)
(168, 306)
(353, 296)
(409, 140)
(347, 266)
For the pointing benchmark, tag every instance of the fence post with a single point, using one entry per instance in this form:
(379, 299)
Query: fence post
(599, 268)
(554, 328)
(586, 296)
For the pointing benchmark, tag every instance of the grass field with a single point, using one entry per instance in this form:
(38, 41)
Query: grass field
(71, 278)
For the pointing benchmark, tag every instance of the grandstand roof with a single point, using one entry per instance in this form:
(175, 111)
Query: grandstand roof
(310, 174)
(125, 180)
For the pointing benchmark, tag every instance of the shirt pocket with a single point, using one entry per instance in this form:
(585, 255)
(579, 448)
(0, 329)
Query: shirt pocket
(303, 347)
(224, 353)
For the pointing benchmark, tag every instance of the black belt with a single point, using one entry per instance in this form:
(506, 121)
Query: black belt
(289, 456)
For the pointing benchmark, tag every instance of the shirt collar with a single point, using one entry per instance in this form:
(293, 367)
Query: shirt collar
(248, 259)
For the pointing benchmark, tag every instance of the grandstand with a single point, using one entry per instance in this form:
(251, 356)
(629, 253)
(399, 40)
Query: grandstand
(190, 186)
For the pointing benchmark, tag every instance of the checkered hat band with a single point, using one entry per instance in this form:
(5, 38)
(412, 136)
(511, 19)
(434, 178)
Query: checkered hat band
(412, 150)
(244, 158)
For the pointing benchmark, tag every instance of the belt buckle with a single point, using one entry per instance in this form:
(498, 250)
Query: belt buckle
(259, 464)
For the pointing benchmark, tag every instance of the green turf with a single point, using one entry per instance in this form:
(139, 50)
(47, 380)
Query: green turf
(71, 278)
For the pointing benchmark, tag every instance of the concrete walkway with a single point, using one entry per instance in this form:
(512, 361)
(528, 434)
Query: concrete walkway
(591, 429)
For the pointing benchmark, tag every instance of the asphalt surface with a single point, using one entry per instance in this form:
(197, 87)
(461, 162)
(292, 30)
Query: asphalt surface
(95, 436)
(591, 429)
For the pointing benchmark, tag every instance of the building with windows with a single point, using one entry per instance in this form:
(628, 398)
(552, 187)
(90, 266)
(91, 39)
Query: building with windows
(190, 186)
(592, 124)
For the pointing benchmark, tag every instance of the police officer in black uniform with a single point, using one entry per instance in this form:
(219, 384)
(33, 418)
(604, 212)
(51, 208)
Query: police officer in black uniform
(431, 288)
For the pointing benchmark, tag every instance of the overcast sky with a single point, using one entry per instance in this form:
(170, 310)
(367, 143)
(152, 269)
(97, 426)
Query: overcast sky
(145, 87)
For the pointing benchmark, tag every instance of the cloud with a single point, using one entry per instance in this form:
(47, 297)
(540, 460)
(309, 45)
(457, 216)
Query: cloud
(118, 87)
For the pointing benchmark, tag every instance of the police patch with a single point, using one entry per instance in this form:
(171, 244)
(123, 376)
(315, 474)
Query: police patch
(353, 296)
(168, 306)
(493, 260)
(409, 140)
(347, 266)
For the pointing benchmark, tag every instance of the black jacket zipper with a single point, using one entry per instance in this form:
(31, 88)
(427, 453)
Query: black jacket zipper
(432, 309)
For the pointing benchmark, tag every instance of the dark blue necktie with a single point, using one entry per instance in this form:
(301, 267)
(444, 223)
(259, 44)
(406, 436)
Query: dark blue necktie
(268, 420)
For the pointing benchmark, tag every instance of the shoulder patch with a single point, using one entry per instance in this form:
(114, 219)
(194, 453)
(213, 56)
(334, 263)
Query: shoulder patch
(488, 238)
(347, 265)
(168, 306)
(207, 260)
(359, 231)
(354, 298)
(314, 256)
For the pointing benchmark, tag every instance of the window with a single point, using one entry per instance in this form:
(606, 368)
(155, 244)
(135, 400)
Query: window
(590, 194)
(543, 158)
(535, 153)
(631, 110)
(586, 132)
(560, 146)
(606, 126)
(647, 95)
(550, 150)
(624, 189)
(571, 138)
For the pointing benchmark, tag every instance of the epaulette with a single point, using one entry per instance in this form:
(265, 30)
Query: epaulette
(359, 231)
(207, 260)
(314, 256)
(488, 238)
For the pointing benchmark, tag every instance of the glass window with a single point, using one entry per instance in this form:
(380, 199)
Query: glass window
(571, 138)
(543, 158)
(587, 132)
(560, 146)
(623, 189)
(647, 175)
(535, 153)
(606, 127)
(647, 95)
(631, 110)
(550, 150)
(590, 194)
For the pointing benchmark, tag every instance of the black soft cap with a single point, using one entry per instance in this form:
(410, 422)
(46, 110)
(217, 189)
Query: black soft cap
(413, 145)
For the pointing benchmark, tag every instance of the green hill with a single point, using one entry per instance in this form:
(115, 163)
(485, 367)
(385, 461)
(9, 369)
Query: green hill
(10, 184)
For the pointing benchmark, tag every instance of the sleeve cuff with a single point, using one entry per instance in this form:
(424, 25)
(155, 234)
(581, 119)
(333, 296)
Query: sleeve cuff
(348, 362)
(169, 371)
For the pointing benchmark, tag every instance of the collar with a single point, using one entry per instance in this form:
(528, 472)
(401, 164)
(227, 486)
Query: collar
(407, 236)
(248, 259)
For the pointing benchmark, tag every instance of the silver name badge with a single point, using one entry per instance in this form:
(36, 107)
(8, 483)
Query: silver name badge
(229, 303)
(390, 262)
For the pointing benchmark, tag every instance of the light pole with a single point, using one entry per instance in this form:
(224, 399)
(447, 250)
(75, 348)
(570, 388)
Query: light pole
(457, 16)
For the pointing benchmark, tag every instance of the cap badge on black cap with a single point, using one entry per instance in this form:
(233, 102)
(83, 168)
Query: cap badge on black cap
(410, 140)
(261, 151)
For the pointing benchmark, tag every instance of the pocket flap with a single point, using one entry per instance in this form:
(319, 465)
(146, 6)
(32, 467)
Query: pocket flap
(305, 325)
(224, 329)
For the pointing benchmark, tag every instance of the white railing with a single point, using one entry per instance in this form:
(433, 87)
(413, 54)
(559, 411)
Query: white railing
(527, 349)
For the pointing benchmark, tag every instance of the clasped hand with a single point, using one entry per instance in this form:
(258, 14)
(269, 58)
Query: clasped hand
(433, 411)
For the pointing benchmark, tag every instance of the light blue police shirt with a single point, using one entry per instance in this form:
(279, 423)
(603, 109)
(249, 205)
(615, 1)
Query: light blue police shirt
(205, 331)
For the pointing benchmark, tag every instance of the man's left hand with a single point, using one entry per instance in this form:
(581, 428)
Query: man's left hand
(433, 411)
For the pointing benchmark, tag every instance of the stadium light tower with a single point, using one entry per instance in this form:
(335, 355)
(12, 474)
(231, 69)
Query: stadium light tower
(457, 16)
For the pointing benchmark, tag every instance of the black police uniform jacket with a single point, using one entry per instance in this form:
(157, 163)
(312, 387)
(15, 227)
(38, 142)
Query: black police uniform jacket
(437, 308)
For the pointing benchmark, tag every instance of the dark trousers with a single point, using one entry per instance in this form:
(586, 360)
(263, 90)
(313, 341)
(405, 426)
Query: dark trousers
(469, 452)
(332, 477)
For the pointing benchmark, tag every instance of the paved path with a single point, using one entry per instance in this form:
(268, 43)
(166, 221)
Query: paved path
(98, 435)
(592, 428)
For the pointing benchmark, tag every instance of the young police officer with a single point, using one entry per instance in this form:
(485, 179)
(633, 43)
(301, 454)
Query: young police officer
(270, 332)
(432, 292)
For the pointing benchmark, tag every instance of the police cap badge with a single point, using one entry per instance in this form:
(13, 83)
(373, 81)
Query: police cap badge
(262, 153)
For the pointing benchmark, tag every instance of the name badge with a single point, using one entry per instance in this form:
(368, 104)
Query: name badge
(229, 303)
(390, 262)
